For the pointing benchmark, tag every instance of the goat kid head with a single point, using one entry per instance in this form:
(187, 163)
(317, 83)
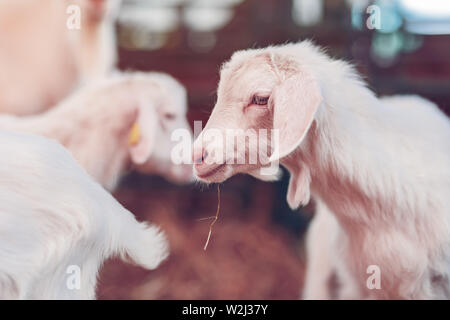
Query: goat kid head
(161, 109)
(266, 92)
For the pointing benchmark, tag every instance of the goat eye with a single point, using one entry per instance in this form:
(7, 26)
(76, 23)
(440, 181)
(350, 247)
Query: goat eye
(169, 116)
(260, 101)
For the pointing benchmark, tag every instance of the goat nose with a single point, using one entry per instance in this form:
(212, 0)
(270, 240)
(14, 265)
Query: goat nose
(199, 155)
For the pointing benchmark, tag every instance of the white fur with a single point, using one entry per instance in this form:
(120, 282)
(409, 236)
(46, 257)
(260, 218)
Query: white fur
(382, 169)
(324, 228)
(94, 123)
(320, 256)
(53, 216)
(384, 172)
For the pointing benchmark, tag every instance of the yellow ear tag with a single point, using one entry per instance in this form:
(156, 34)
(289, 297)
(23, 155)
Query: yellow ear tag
(135, 134)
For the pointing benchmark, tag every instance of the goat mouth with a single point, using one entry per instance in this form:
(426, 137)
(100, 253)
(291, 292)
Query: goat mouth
(210, 173)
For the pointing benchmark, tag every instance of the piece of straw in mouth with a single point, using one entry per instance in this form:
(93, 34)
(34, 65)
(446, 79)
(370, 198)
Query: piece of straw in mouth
(215, 218)
(135, 135)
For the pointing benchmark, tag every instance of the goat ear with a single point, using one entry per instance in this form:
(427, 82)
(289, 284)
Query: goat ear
(299, 187)
(143, 134)
(295, 102)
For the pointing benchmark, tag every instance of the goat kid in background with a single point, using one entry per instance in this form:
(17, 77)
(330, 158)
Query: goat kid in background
(95, 123)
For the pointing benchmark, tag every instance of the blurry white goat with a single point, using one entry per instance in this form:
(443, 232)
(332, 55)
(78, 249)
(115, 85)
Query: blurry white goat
(95, 122)
(42, 60)
(57, 224)
(382, 170)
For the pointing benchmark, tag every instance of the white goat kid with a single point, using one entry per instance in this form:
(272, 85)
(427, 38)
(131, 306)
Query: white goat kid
(383, 171)
(56, 224)
(95, 122)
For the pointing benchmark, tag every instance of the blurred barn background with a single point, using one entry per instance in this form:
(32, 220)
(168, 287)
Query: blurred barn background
(256, 250)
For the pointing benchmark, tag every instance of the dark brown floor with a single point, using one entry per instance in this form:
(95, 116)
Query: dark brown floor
(249, 256)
